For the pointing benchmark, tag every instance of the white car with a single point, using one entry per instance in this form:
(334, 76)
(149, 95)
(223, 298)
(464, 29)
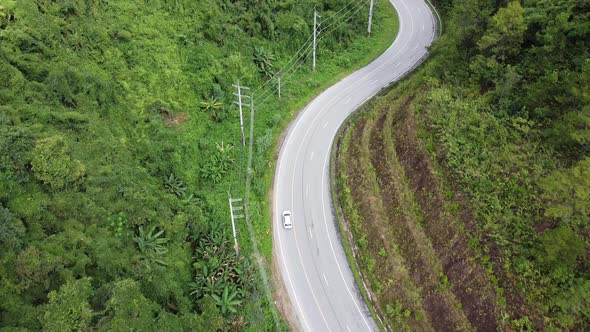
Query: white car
(287, 221)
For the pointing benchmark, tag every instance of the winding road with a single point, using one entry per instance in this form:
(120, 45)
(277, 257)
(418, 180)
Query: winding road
(310, 257)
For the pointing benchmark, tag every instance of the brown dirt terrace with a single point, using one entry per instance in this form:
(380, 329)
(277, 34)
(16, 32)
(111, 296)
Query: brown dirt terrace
(411, 235)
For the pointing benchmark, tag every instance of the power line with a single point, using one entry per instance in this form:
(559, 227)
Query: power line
(268, 88)
(305, 46)
(286, 64)
(285, 78)
(340, 10)
(345, 17)
(267, 93)
(287, 74)
(285, 71)
(357, 10)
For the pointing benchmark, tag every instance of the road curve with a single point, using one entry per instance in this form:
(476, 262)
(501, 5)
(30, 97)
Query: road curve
(310, 257)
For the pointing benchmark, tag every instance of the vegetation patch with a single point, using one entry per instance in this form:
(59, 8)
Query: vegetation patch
(119, 143)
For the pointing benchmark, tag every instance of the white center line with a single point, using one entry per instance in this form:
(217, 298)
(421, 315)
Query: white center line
(347, 100)
(326, 280)
(325, 124)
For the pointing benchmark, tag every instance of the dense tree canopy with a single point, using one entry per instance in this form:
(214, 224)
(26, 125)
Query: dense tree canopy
(115, 133)
(508, 103)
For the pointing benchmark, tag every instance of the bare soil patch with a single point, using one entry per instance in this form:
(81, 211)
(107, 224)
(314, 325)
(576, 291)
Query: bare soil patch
(414, 246)
(174, 120)
(388, 271)
(468, 279)
(416, 235)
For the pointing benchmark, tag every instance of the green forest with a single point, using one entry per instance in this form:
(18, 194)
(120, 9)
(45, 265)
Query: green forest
(119, 142)
(498, 119)
(509, 102)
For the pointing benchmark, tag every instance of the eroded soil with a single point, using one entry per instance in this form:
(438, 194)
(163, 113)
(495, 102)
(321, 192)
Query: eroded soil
(416, 236)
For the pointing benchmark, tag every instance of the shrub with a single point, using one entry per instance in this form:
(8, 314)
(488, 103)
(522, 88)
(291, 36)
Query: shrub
(54, 166)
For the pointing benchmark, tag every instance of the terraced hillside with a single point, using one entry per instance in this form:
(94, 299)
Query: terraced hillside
(410, 232)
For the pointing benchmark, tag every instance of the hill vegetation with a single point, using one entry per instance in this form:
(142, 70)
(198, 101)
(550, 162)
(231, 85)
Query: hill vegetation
(469, 183)
(118, 146)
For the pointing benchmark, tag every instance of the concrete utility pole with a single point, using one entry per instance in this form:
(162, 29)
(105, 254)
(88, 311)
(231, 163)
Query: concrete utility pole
(315, 34)
(240, 104)
(370, 17)
(250, 151)
(279, 74)
(233, 208)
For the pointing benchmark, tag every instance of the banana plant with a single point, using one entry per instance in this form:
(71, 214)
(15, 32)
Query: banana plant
(263, 59)
(175, 185)
(214, 108)
(152, 244)
(228, 301)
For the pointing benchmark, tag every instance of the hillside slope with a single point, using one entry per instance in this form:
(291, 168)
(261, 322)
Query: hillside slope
(118, 146)
(465, 188)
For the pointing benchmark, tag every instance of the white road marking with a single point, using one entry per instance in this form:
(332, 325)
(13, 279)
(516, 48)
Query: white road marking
(277, 229)
(334, 252)
(307, 190)
(326, 280)
(310, 233)
(348, 328)
(311, 157)
(325, 124)
(373, 82)
(422, 27)
(347, 100)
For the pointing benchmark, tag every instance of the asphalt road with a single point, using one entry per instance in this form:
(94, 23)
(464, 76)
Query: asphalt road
(311, 260)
